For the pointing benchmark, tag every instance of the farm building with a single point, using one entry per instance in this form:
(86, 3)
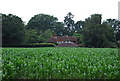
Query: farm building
(64, 41)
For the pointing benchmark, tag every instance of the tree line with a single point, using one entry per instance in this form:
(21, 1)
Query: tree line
(92, 32)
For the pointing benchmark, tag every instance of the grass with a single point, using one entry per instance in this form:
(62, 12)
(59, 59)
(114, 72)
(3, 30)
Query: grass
(60, 63)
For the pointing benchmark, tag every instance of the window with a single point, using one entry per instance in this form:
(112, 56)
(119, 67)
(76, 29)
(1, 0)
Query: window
(58, 41)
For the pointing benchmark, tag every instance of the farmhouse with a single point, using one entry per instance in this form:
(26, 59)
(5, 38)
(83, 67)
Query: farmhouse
(64, 41)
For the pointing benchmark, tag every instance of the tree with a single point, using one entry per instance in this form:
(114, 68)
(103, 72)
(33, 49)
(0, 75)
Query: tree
(31, 36)
(115, 24)
(42, 22)
(47, 34)
(97, 34)
(79, 38)
(12, 30)
(109, 34)
(38, 36)
(79, 26)
(69, 22)
(43, 26)
(89, 30)
(59, 29)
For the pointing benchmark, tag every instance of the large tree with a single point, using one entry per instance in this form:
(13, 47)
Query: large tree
(97, 34)
(42, 22)
(12, 30)
(69, 22)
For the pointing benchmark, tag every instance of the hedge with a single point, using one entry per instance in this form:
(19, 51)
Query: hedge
(33, 45)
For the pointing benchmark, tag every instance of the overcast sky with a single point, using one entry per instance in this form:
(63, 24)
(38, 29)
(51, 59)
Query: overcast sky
(81, 9)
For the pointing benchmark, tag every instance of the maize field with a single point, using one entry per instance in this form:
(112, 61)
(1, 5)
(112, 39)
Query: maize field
(60, 63)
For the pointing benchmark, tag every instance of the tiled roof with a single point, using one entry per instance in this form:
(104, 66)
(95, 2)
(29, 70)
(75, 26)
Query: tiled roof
(62, 38)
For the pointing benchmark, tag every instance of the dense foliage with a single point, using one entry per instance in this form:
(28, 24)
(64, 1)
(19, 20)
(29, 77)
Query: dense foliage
(98, 34)
(92, 32)
(42, 22)
(12, 30)
(60, 63)
(37, 36)
(43, 26)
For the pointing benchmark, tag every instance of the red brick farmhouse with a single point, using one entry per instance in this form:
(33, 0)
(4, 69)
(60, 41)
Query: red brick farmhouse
(64, 41)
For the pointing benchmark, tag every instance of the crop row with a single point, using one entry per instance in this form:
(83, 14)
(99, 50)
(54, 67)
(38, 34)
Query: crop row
(60, 63)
